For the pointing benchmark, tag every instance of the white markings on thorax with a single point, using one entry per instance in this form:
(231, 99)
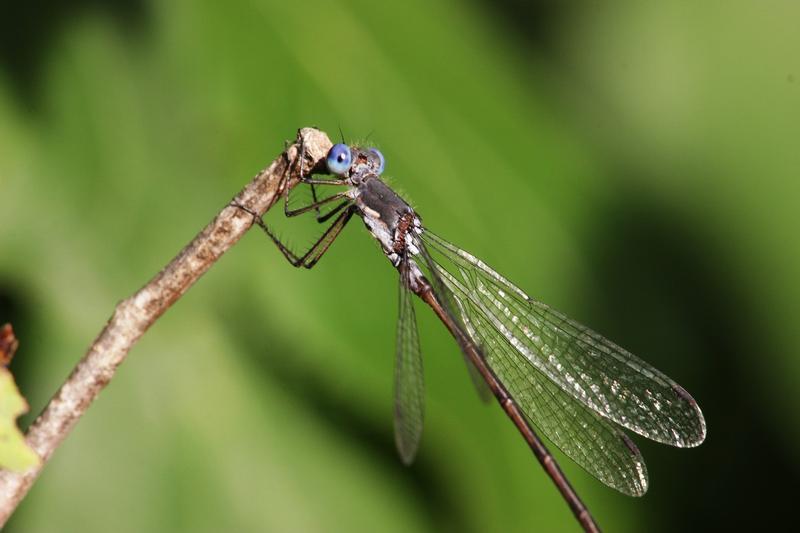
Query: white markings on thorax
(368, 211)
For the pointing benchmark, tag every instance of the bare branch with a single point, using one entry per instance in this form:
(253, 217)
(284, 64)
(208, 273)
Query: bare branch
(132, 317)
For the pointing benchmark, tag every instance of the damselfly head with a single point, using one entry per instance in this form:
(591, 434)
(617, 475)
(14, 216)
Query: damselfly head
(343, 160)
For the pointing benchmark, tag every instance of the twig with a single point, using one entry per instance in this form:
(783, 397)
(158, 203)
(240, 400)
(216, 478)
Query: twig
(132, 317)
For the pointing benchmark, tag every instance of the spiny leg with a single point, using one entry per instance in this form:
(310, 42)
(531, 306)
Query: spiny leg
(292, 213)
(332, 212)
(316, 205)
(321, 245)
(314, 199)
(318, 249)
(320, 217)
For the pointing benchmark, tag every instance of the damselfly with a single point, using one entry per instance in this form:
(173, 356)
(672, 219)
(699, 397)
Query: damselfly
(547, 372)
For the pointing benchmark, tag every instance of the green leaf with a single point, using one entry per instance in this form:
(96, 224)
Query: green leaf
(14, 452)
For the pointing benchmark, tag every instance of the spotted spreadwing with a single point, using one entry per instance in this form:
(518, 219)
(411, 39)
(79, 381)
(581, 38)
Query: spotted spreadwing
(549, 374)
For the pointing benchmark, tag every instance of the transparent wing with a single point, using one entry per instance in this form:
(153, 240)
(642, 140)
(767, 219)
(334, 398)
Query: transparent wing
(593, 442)
(409, 387)
(584, 365)
(484, 393)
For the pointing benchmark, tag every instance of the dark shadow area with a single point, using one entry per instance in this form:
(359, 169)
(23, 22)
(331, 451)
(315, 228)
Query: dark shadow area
(28, 31)
(12, 307)
(537, 23)
(272, 356)
(663, 290)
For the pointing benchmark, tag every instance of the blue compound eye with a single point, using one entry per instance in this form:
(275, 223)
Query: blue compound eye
(339, 159)
(380, 158)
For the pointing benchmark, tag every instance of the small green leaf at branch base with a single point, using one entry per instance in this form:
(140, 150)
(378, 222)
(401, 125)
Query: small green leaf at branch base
(14, 452)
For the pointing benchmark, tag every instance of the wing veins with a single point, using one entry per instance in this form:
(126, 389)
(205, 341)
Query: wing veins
(647, 388)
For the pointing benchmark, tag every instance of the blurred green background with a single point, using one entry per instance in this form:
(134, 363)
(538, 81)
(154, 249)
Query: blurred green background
(632, 165)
